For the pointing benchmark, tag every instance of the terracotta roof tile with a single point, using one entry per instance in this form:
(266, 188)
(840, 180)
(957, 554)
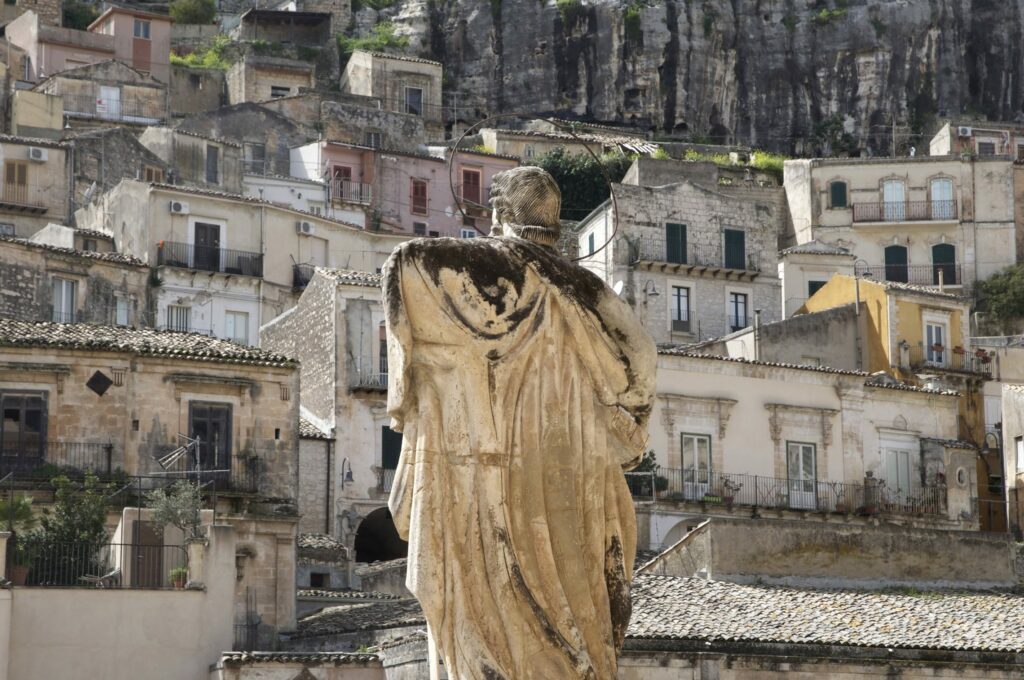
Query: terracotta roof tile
(116, 258)
(360, 616)
(140, 341)
(351, 277)
(307, 430)
(320, 658)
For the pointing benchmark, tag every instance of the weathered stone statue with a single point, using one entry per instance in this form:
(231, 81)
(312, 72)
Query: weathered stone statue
(523, 386)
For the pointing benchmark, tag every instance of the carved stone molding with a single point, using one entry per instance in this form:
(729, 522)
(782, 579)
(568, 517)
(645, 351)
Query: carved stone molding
(678, 404)
(822, 415)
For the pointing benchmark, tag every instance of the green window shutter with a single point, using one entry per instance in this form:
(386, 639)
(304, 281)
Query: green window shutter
(675, 243)
(838, 190)
(735, 249)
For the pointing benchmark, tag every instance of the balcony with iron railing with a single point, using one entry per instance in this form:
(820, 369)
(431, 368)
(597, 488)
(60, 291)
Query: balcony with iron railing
(372, 381)
(906, 211)
(302, 274)
(385, 479)
(942, 358)
(209, 258)
(129, 110)
(944, 274)
(803, 494)
(47, 459)
(29, 198)
(347, 191)
(694, 256)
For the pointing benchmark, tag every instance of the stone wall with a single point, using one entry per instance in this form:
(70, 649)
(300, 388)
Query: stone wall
(347, 122)
(316, 485)
(194, 90)
(307, 333)
(26, 289)
(832, 554)
(107, 156)
(251, 79)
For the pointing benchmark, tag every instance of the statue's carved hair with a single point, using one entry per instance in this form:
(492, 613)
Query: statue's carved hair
(528, 199)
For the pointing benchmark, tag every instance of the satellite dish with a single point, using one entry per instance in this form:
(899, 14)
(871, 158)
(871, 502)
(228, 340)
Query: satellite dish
(619, 285)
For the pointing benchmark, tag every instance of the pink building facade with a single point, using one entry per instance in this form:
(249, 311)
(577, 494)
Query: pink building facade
(141, 39)
(404, 192)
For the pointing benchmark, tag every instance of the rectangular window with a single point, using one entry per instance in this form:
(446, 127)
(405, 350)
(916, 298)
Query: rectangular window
(278, 91)
(89, 245)
(419, 228)
(814, 286)
(122, 311)
(179, 318)
(414, 100)
(418, 194)
(1020, 152)
(590, 244)
(373, 140)
(737, 310)
(837, 195)
(7, 229)
(1019, 444)
(212, 164)
(472, 190)
(467, 233)
(680, 309)
(152, 173)
(433, 234)
(141, 29)
(735, 249)
(935, 343)
(696, 459)
(897, 472)
(675, 243)
(390, 448)
(255, 158)
(16, 182)
(64, 300)
(22, 431)
(210, 423)
(986, 148)
(382, 352)
(236, 327)
(802, 473)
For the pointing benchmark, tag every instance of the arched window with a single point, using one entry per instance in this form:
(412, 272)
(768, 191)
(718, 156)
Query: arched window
(944, 264)
(896, 264)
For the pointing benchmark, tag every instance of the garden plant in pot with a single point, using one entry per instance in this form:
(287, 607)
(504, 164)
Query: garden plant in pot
(179, 575)
(17, 517)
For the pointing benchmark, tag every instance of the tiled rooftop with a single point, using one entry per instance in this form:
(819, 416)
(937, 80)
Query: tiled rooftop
(319, 658)
(354, 617)
(320, 547)
(314, 593)
(816, 248)
(307, 430)
(350, 277)
(671, 608)
(115, 258)
(140, 341)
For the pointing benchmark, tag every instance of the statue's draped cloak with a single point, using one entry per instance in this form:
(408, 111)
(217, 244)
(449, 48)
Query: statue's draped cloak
(508, 367)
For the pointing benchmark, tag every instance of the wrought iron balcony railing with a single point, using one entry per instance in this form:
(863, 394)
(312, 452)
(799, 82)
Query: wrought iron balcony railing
(48, 459)
(347, 191)
(126, 110)
(657, 249)
(38, 562)
(209, 258)
(906, 211)
(942, 358)
(947, 274)
(728, 489)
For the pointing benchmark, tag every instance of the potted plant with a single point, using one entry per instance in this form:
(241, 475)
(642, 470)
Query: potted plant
(16, 514)
(729, 489)
(938, 347)
(179, 575)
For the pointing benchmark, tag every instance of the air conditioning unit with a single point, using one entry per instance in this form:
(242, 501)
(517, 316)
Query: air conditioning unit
(36, 153)
(179, 207)
(963, 131)
(304, 227)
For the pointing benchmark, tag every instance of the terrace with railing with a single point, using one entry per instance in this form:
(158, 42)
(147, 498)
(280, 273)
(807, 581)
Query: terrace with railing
(771, 493)
(946, 274)
(39, 562)
(47, 459)
(347, 191)
(28, 198)
(376, 381)
(302, 274)
(385, 478)
(128, 110)
(209, 258)
(942, 358)
(906, 211)
(694, 255)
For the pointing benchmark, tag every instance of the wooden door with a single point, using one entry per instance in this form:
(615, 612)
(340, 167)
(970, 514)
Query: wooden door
(146, 554)
(896, 264)
(207, 246)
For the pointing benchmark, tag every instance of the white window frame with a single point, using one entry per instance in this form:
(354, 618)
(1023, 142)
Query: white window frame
(1019, 445)
(698, 471)
(941, 320)
(145, 33)
(122, 310)
(62, 289)
(405, 100)
(467, 233)
(802, 490)
(231, 324)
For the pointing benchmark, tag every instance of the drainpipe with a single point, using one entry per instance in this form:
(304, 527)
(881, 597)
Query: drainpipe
(263, 272)
(327, 505)
(757, 335)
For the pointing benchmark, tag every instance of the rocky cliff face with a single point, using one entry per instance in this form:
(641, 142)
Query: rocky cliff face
(769, 73)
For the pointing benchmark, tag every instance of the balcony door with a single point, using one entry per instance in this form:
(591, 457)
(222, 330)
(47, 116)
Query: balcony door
(147, 565)
(894, 200)
(935, 343)
(207, 247)
(944, 263)
(800, 466)
(896, 474)
(675, 243)
(696, 451)
(342, 181)
(942, 199)
(896, 264)
(210, 423)
(735, 249)
(22, 431)
(472, 189)
(16, 182)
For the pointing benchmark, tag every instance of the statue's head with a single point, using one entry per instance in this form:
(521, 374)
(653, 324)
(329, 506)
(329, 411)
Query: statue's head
(526, 204)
